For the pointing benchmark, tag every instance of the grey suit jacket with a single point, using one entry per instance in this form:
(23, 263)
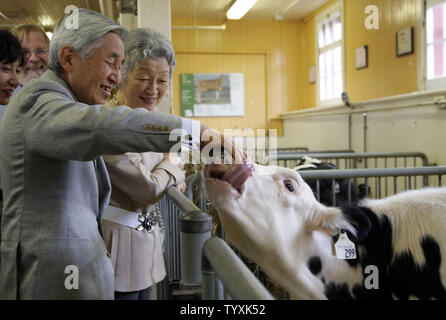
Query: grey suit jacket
(56, 186)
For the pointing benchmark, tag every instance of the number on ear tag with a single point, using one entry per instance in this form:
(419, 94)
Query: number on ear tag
(345, 249)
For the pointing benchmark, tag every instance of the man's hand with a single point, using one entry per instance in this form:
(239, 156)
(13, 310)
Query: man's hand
(213, 140)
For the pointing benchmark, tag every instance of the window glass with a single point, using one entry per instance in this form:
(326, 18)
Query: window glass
(330, 56)
(435, 41)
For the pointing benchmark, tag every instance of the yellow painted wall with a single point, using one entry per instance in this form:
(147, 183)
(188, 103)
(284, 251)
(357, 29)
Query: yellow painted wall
(279, 42)
(252, 66)
(308, 99)
(386, 74)
(290, 50)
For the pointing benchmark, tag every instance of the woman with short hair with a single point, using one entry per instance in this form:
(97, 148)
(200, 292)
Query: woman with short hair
(139, 180)
(11, 58)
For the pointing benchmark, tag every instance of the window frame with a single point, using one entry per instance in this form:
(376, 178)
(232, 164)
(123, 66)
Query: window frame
(423, 82)
(339, 6)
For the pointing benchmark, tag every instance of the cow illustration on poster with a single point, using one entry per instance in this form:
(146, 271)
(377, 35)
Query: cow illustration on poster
(212, 88)
(212, 94)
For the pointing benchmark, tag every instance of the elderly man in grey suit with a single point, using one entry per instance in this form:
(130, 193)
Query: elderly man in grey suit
(54, 180)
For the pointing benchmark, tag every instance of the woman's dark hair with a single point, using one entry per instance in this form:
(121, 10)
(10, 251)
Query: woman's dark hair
(10, 48)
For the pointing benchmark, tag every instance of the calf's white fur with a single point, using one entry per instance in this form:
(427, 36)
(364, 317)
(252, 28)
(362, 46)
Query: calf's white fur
(280, 229)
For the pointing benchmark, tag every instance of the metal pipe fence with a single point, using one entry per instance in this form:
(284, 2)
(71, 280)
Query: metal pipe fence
(293, 149)
(196, 194)
(188, 241)
(306, 151)
(343, 160)
(219, 259)
(194, 185)
(355, 160)
(172, 244)
(378, 183)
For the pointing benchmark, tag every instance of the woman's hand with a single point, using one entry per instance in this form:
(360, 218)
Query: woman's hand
(174, 159)
(181, 187)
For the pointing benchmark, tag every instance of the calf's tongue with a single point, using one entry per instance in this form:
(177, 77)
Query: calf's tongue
(238, 174)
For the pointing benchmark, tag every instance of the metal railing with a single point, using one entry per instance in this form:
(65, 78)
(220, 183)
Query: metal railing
(378, 183)
(293, 149)
(343, 160)
(374, 182)
(172, 242)
(220, 260)
(353, 160)
(306, 151)
(194, 184)
(189, 247)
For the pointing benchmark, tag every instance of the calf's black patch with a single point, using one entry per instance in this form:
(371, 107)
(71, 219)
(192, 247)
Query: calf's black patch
(315, 265)
(344, 191)
(373, 247)
(399, 276)
(424, 282)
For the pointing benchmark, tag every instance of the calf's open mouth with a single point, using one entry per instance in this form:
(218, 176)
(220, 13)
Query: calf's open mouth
(235, 175)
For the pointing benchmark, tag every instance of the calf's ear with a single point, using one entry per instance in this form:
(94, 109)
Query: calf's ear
(330, 220)
(359, 217)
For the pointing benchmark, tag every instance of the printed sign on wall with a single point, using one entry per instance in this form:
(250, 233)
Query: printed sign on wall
(212, 94)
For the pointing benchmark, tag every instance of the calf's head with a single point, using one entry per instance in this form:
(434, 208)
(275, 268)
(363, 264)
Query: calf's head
(267, 212)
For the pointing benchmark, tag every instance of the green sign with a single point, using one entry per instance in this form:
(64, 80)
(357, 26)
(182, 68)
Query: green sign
(187, 94)
(212, 94)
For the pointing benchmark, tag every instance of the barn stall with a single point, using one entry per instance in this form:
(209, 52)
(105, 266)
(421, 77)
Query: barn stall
(384, 135)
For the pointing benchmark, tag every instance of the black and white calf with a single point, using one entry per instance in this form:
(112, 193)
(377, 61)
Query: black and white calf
(272, 216)
(343, 189)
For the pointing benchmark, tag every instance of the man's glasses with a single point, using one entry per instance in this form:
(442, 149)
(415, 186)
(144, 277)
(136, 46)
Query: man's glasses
(38, 52)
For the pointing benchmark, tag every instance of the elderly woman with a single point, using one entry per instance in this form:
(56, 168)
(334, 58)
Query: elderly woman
(140, 179)
(55, 183)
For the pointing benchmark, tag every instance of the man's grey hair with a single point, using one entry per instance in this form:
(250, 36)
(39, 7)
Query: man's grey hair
(143, 43)
(84, 35)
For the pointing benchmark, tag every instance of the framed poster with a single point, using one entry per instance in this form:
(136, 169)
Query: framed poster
(212, 94)
(404, 42)
(361, 57)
